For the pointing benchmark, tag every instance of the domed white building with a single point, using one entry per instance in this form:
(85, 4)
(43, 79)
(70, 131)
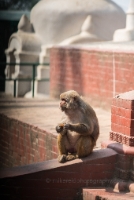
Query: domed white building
(60, 22)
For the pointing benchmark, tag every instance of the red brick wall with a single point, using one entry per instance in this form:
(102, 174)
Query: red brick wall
(99, 74)
(51, 180)
(124, 168)
(122, 118)
(22, 144)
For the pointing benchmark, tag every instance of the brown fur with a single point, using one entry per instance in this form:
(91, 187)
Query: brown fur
(79, 128)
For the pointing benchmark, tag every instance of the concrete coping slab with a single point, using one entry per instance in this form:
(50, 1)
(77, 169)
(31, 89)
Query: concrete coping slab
(95, 157)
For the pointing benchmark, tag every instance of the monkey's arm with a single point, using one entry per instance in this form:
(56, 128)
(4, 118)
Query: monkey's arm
(79, 128)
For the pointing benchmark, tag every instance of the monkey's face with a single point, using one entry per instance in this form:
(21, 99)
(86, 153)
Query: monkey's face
(69, 100)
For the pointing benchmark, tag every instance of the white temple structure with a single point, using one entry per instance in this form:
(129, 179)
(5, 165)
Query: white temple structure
(127, 34)
(58, 22)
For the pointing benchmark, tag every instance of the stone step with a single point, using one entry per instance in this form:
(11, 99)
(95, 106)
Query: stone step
(105, 194)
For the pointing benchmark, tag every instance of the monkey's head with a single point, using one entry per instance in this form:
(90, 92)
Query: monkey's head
(69, 100)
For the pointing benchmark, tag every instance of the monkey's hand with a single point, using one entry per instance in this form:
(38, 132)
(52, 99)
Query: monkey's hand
(60, 129)
(67, 126)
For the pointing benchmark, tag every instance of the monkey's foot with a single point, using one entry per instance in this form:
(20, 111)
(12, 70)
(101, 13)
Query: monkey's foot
(62, 158)
(70, 157)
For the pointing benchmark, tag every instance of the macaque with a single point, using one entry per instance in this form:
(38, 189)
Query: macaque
(78, 129)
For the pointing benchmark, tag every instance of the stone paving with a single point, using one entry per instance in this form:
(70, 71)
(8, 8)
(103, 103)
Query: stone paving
(45, 114)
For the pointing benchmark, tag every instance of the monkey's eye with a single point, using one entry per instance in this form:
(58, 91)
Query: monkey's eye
(64, 99)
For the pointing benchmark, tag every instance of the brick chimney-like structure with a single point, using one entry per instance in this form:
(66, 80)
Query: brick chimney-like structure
(122, 119)
(122, 138)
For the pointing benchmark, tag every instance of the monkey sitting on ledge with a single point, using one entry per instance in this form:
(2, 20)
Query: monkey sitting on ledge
(79, 128)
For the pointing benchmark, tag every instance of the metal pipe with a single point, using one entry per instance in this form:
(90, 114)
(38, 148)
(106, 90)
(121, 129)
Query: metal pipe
(33, 80)
(27, 79)
(14, 88)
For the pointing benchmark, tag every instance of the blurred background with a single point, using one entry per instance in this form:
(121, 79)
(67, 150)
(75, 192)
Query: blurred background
(10, 14)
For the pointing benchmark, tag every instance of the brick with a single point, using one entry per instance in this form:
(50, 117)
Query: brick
(22, 146)
(41, 142)
(115, 119)
(4, 143)
(100, 176)
(61, 193)
(21, 128)
(55, 149)
(128, 122)
(29, 158)
(27, 130)
(123, 174)
(54, 155)
(88, 73)
(92, 168)
(23, 191)
(22, 141)
(124, 158)
(105, 193)
(22, 134)
(36, 158)
(28, 149)
(34, 146)
(132, 175)
(124, 165)
(23, 160)
(5, 136)
(127, 113)
(122, 129)
(4, 149)
(41, 152)
(125, 99)
(54, 141)
(42, 136)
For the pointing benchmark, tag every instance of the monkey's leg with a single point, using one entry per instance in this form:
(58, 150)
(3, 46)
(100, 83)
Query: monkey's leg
(62, 148)
(84, 146)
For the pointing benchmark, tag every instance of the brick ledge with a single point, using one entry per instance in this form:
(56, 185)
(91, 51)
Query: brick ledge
(53, 164)
(119, 148)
